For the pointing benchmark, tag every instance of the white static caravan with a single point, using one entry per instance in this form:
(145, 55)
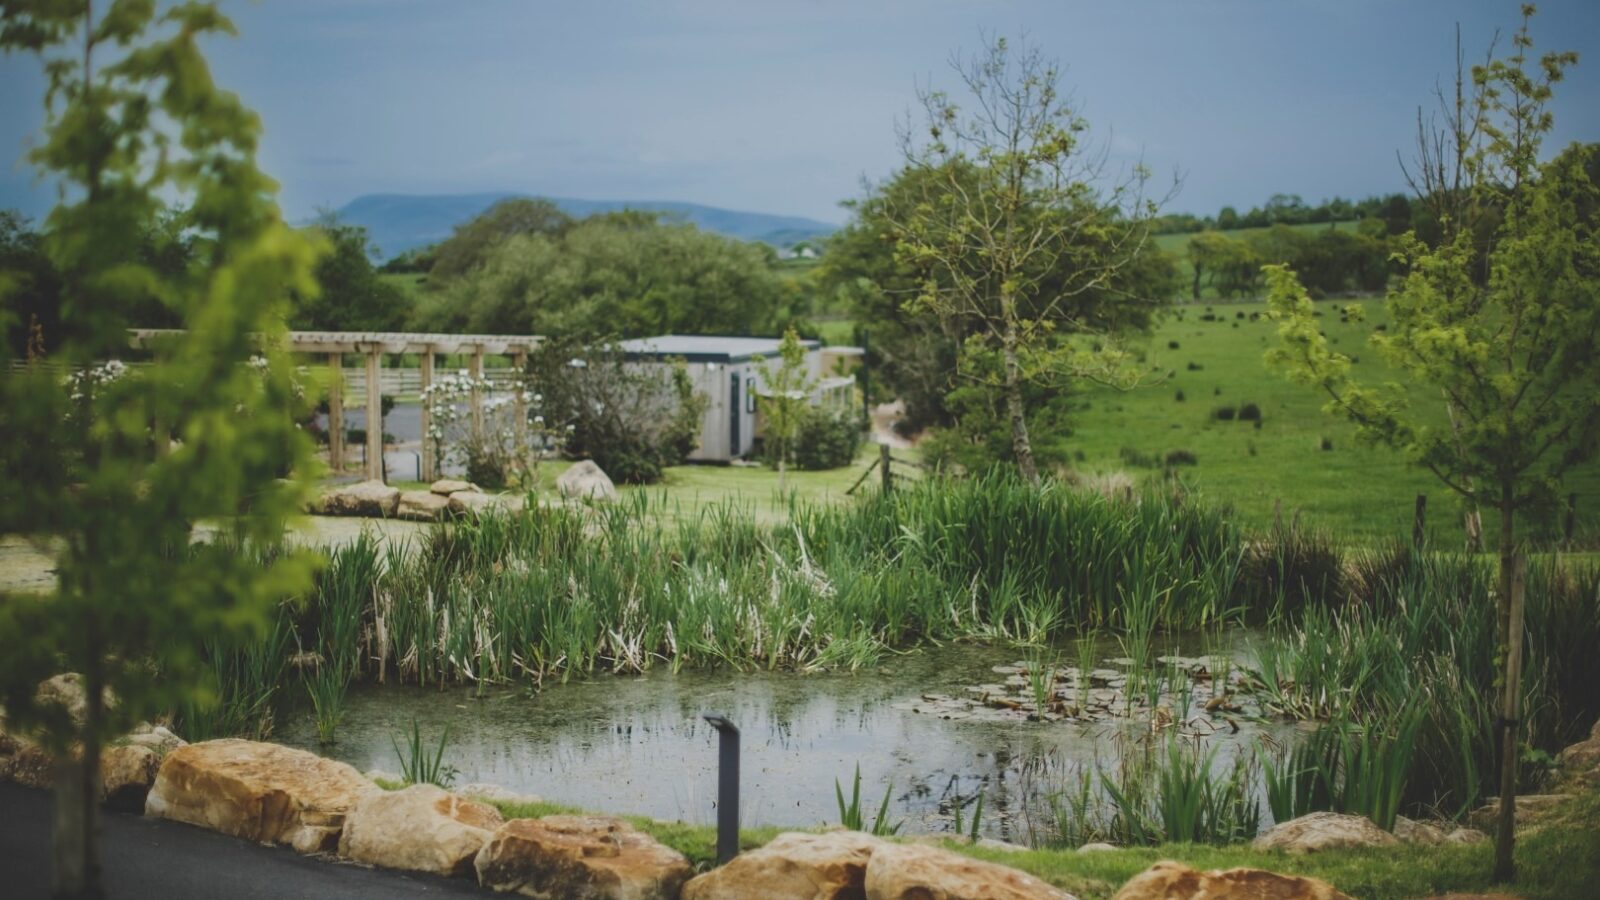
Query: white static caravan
(724, 370)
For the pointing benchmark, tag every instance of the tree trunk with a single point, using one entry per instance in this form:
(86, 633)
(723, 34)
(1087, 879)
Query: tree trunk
(76, 826)
(1510, 639)
(1021, 446)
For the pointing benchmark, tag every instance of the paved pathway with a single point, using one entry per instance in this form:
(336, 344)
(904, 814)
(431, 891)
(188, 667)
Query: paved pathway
(148, 858)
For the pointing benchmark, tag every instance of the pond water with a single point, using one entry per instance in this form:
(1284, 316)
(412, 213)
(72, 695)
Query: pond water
(638, 744)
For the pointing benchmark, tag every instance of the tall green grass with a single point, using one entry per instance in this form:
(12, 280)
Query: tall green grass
(557, 591)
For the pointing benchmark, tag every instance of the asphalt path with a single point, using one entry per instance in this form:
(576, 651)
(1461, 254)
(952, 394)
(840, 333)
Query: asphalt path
(154, 858)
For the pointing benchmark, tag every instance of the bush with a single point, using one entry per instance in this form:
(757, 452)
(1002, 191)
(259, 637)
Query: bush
(1224, 413)
(826, 440)
(1249, 413)
(633, 421)
(1181, 458)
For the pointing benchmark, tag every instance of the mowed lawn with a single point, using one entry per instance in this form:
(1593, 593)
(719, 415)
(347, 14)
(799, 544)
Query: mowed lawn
(1356, 491)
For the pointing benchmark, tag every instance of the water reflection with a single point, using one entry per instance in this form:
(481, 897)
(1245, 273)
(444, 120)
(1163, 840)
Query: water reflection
(638, 745)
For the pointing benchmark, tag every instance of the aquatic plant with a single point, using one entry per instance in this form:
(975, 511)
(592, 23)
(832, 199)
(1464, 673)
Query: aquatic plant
(417, 766)
(851, 815)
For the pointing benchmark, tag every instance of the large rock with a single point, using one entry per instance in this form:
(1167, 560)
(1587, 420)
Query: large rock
(422, 828)
(586, 481)
(156, 737)
(1324, 831)
(261, 792)
(127, 772)
(830, 866)
(477, 503)
(916, 872)
(580, 858)
(1532, 809)
(373, 499)
(1411, 831)
(66, 691)
(422, 506)
(448, 486)
(1167, 880)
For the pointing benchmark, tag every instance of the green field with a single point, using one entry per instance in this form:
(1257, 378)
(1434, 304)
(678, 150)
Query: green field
(1365, 492)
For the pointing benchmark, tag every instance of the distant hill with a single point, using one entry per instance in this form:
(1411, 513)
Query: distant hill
(401, 222)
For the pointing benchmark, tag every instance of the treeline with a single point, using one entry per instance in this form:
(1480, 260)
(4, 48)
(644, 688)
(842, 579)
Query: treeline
(1397, 211)
(1329, 261)
(522, 267)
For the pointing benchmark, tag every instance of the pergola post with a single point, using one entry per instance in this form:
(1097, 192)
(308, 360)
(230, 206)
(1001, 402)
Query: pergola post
(428, 462)
(476, 370)
(374, 416)
(518, 388)
(336, 412)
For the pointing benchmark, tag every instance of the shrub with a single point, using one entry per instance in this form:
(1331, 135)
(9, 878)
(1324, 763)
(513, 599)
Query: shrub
(1249, 413)
(1224, 413)
(633, 421)
(826, 440)
(1181, 458)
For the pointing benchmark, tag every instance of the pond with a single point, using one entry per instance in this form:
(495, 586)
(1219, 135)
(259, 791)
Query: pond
(638, 745)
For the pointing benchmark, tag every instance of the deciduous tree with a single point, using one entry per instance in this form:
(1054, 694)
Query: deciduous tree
(1514, 352)
(109, 474)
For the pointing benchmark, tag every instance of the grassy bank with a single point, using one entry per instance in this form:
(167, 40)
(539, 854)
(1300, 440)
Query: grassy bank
(1559, 859)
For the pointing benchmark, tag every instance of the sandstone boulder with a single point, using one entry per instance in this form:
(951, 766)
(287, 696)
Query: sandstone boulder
(1324, 831)
(448, 486)
(1097, 847)
(126, 773)
(1167, 880)
(422, 828)
(586, 481)
(373, 499)
(156, 737)
(260, 792)
(1411, 831)
(911, 872)
(477, 503)
(1531, 810)
(66, 691)
(830, 866)
(494, 793)
(580, 858)
(422, 506)
(33, 766)
(1466, 836)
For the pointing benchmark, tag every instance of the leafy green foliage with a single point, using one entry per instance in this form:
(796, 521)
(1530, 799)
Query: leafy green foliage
(205, 432)
(352, 296)
(785, 399)
(621, 274)
(633, 421)
(851, 815)
(472, 243)
(417, 766)
(827, 439)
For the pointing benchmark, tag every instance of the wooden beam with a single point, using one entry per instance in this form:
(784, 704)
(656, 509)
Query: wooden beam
(428, 462)
(374, 418)
(519, 384)
(336, 412)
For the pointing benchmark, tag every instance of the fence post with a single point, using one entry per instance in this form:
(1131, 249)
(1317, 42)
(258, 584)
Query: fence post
(883, 463)
(1419, 521)
(374, 416)
(428, 463)
(336, 412)
(476, 368)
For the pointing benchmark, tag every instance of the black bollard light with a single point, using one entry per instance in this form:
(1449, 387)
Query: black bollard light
(727, 787)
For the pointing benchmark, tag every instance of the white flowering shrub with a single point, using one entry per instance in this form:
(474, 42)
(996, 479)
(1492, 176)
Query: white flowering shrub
(506, 450)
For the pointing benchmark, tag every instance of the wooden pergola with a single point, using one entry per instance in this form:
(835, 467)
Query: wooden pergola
(373, 345)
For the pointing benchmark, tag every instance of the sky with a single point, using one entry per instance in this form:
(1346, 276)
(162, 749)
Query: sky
(787, 107)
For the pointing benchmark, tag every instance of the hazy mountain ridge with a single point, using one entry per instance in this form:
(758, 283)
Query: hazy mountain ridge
(400, 222)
